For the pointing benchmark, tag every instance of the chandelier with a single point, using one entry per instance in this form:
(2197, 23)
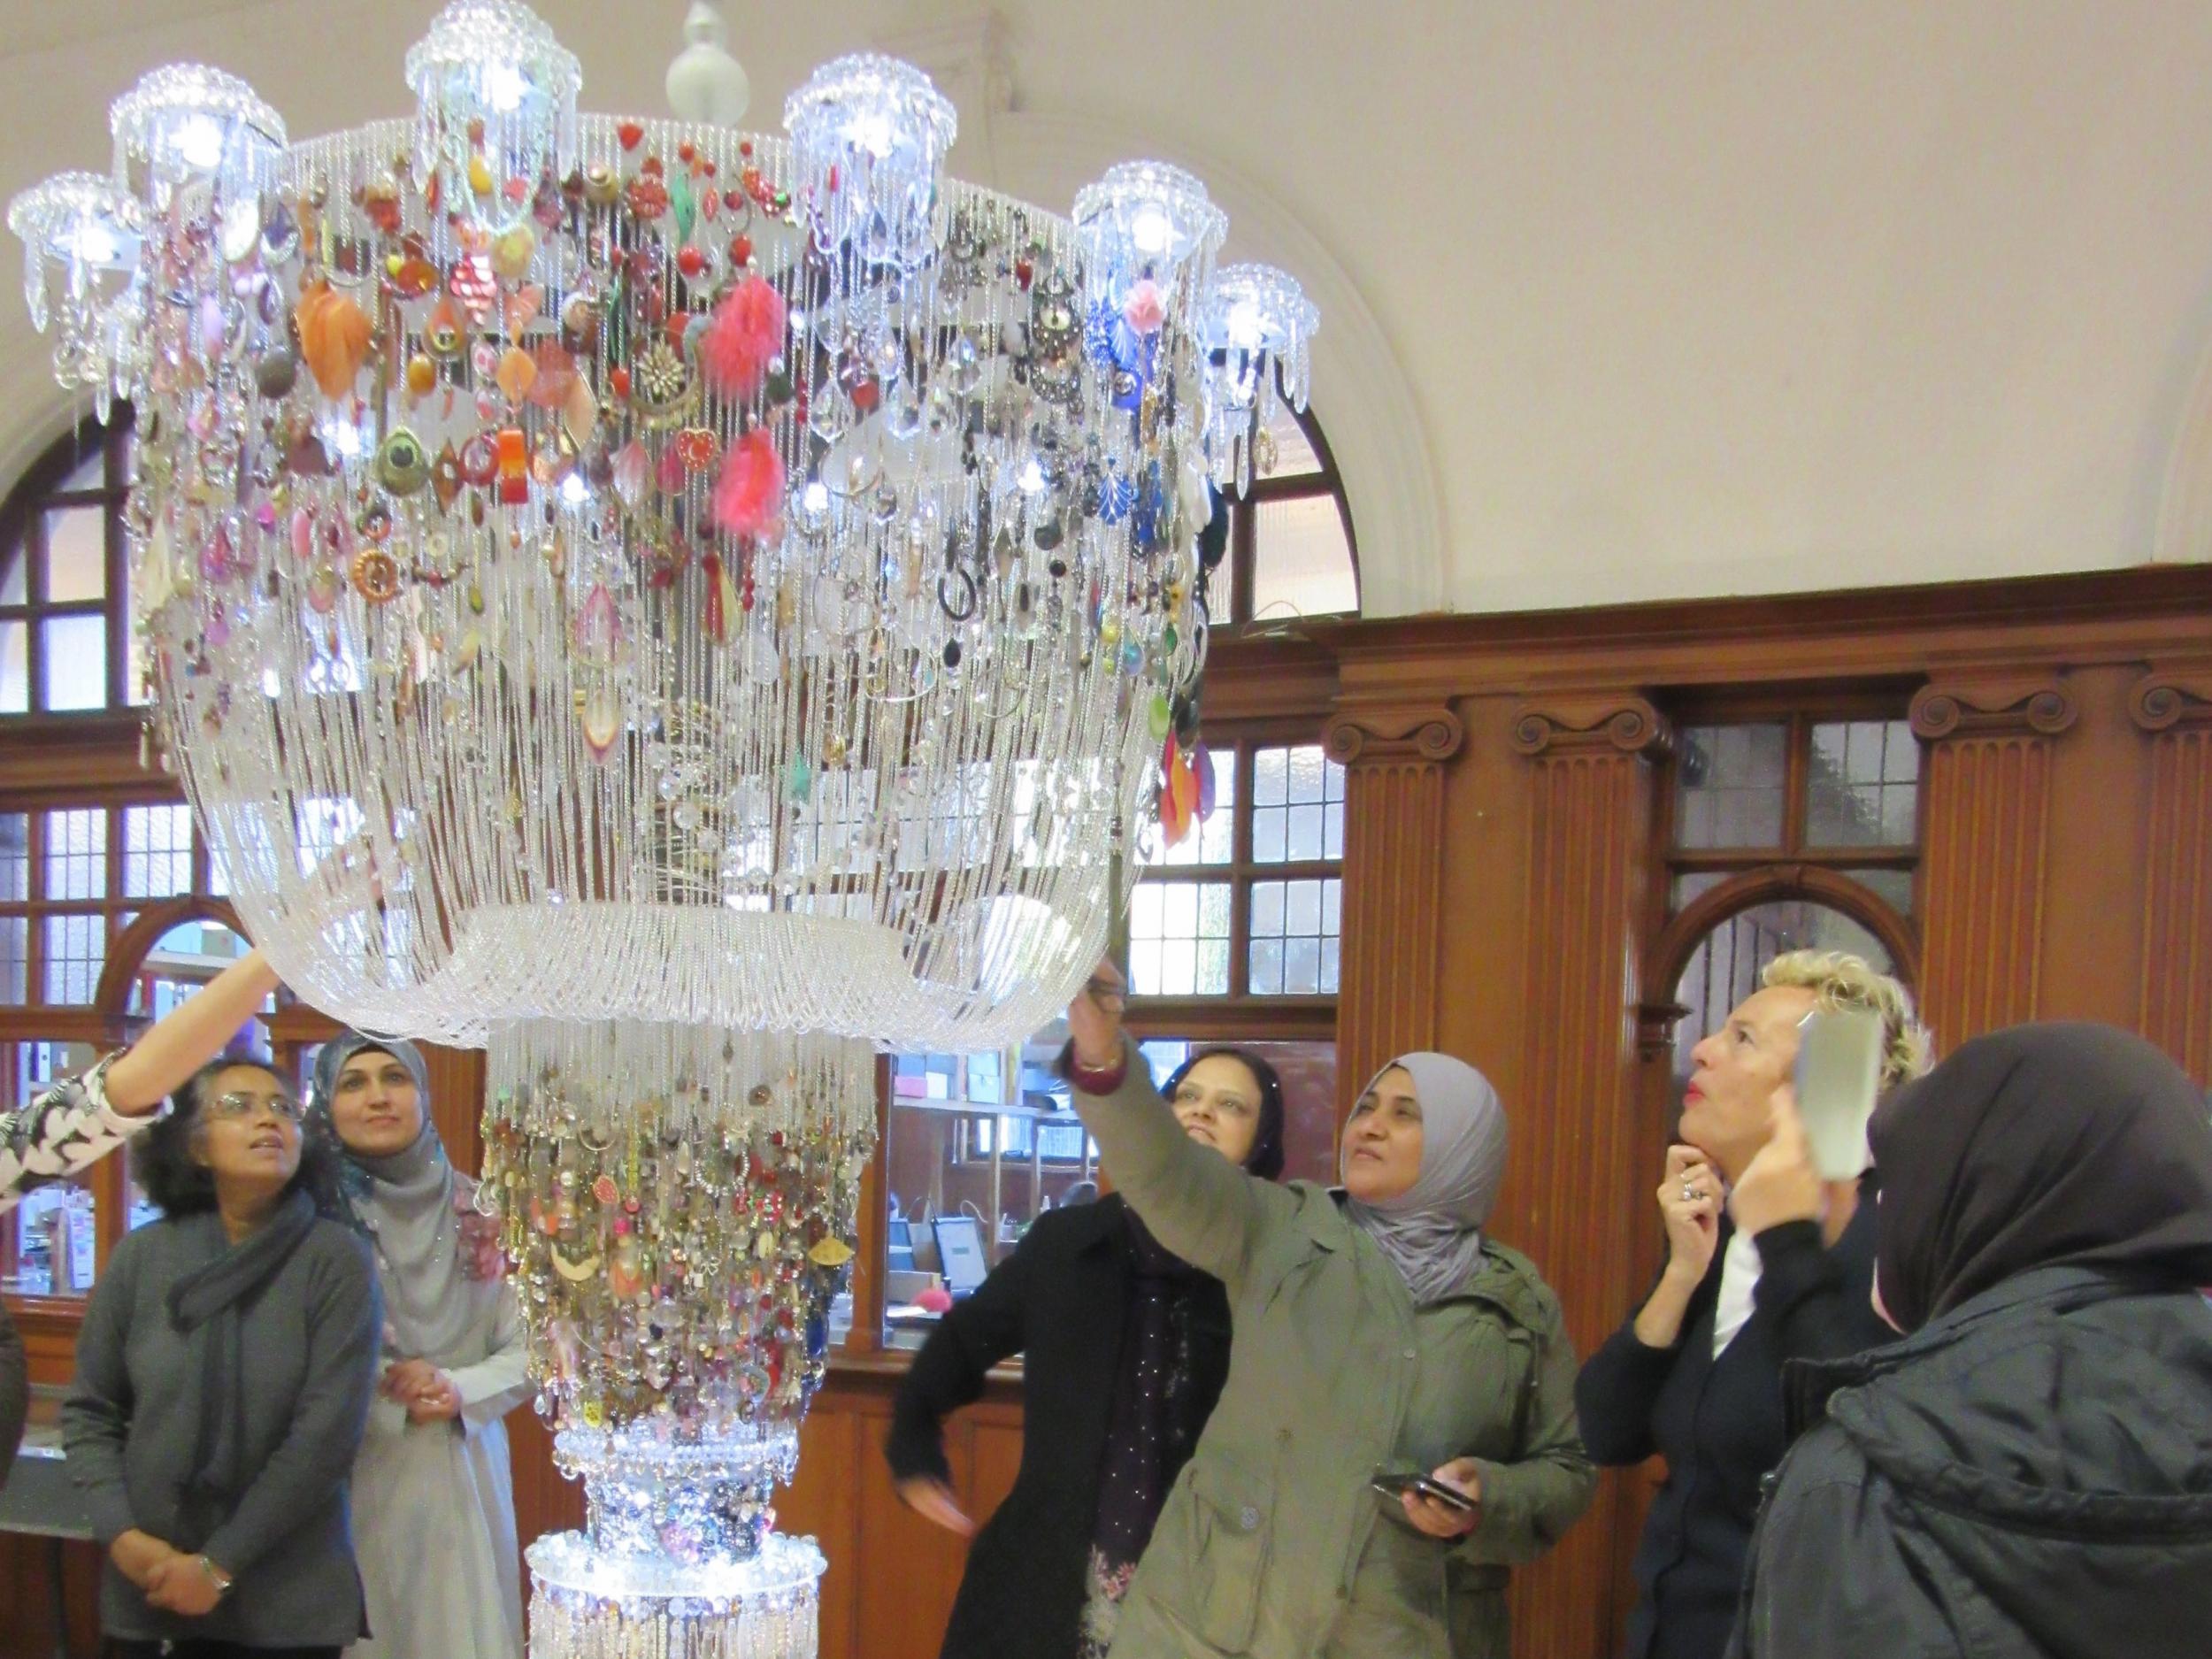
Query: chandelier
(717, 579)
(682, 608)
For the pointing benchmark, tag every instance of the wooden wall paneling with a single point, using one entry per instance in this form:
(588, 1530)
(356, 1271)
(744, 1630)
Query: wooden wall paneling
(1393, 847)
(908, 1569)
(1590, 785)
(822, 1503)
(2090, 951)
(1986, 821)
(2172, 707)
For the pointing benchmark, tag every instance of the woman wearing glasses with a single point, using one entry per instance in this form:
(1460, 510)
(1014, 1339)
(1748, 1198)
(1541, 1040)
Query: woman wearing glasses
(433, 1499)
(224, 1373)
(79, 1120)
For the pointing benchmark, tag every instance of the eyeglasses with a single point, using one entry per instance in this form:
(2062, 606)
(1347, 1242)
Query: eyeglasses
(251, 1105)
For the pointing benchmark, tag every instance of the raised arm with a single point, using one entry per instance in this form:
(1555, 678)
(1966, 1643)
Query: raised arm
(79, 1120)
(188, 1036)
(1194, 1200)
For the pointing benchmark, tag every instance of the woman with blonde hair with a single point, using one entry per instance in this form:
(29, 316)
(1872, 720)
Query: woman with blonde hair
(1766, 1264)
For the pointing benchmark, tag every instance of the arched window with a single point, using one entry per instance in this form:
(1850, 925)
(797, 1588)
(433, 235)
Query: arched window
(66, 638)
(1292, 552)
(1791, 831)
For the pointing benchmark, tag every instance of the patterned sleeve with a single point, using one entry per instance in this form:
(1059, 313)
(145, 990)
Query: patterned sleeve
(65, 1129)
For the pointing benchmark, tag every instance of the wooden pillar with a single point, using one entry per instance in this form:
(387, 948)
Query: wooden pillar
(2173, 706)
(1580, 1150)
(1986, 823)
(1394, 848)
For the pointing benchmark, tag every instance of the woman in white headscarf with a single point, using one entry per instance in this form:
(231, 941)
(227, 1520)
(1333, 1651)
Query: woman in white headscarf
(1379, 1335)
(433, 1508)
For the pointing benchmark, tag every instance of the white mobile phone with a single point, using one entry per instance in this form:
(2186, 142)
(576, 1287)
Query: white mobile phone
(1839, 1074)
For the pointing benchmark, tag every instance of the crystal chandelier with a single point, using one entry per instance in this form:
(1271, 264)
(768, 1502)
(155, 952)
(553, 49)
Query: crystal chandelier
(682, 608)
(719, 578)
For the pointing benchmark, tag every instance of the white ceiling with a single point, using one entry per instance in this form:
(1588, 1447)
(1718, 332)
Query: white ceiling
(1624, 301)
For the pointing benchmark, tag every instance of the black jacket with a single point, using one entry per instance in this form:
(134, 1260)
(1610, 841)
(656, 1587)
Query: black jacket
(2028, 1478)
(1719, 1424)
(1058, 1301)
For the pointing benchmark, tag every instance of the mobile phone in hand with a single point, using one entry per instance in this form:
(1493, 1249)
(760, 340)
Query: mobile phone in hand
(1424, 1486)
(1838, 1075)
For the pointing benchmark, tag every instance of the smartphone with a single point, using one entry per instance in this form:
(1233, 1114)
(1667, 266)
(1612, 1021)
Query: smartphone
(1839, 1074)
(1423, 1487)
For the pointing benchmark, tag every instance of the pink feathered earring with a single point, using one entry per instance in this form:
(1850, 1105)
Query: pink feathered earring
(748, 495)
(746, 335)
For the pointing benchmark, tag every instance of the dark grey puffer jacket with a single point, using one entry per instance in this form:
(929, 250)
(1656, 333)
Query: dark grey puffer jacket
(2030, 1475)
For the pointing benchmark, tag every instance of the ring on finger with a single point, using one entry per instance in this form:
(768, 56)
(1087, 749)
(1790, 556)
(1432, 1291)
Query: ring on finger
(1690, 1192)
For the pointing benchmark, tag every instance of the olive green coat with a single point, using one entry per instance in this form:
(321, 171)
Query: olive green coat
(1272, 1543)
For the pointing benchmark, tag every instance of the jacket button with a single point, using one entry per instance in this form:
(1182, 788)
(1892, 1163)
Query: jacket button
(1413, 1354)
(1249, 1518)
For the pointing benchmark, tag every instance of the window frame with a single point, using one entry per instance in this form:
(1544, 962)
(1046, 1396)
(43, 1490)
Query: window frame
(23, 544)
(1243, 555)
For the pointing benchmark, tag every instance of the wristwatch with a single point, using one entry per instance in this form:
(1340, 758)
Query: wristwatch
(217, 1577)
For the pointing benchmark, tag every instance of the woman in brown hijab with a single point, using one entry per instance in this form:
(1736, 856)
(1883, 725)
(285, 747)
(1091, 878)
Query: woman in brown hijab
(2030, 1472)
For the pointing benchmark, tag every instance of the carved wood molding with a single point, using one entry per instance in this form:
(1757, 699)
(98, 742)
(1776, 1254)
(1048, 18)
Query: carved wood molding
(2172, 695)
(1423, 732)
(1624, 722)
(1998, 706)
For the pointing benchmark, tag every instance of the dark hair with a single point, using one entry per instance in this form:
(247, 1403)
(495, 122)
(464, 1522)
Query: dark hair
(180, 1185)
(1265, 1160)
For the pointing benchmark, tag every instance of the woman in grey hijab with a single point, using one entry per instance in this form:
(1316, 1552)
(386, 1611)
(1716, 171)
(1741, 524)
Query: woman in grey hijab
(1379, 1338)
(433, 1495)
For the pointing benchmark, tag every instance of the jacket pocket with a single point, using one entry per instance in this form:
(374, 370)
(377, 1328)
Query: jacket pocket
(1235, 1517)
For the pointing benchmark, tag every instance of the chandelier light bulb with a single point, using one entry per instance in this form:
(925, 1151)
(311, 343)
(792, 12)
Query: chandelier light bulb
(503, 88)
(199, 141)
(1151, 232)
(705, 83)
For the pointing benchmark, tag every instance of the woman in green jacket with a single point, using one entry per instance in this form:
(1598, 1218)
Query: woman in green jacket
(1378, 1334)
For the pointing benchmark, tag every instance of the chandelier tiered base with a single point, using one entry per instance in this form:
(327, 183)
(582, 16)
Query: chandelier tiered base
(686, 609)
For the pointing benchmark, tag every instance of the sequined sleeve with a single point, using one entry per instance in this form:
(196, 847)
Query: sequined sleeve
(68, 1126)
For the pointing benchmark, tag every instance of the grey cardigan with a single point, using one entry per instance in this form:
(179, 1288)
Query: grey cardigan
(307, 1346)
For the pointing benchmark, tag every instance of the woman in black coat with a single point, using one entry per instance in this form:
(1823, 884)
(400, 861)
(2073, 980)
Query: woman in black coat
(1759, 1273)
(2030, 1473)
(1116, 1403)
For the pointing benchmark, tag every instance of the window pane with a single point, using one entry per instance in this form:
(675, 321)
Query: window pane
(1726, 966)
(1294, 927)
(1729, 784)
(1688, 888)
(12, 589)
(76, 854)
(15, 667)
(46, 1246)
(91, 473)
(1302, 563)
(15, 856)
(15, 958)
(1178, 938)
(76, 949)
(1221, 586)
(76, 555)
(76, 662)
(1894, 888)
(1862, 783)
(156, 851)
(1307, 825)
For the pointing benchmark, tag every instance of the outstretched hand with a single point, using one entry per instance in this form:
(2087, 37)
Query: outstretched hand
(1094, 1017)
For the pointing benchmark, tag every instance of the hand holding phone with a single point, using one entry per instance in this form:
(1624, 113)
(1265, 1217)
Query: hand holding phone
(1837, 1076)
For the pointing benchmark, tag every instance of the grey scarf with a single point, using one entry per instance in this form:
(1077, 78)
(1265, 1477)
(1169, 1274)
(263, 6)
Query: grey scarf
(205, 1306)
(1432, 1231)
(405, 1203)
